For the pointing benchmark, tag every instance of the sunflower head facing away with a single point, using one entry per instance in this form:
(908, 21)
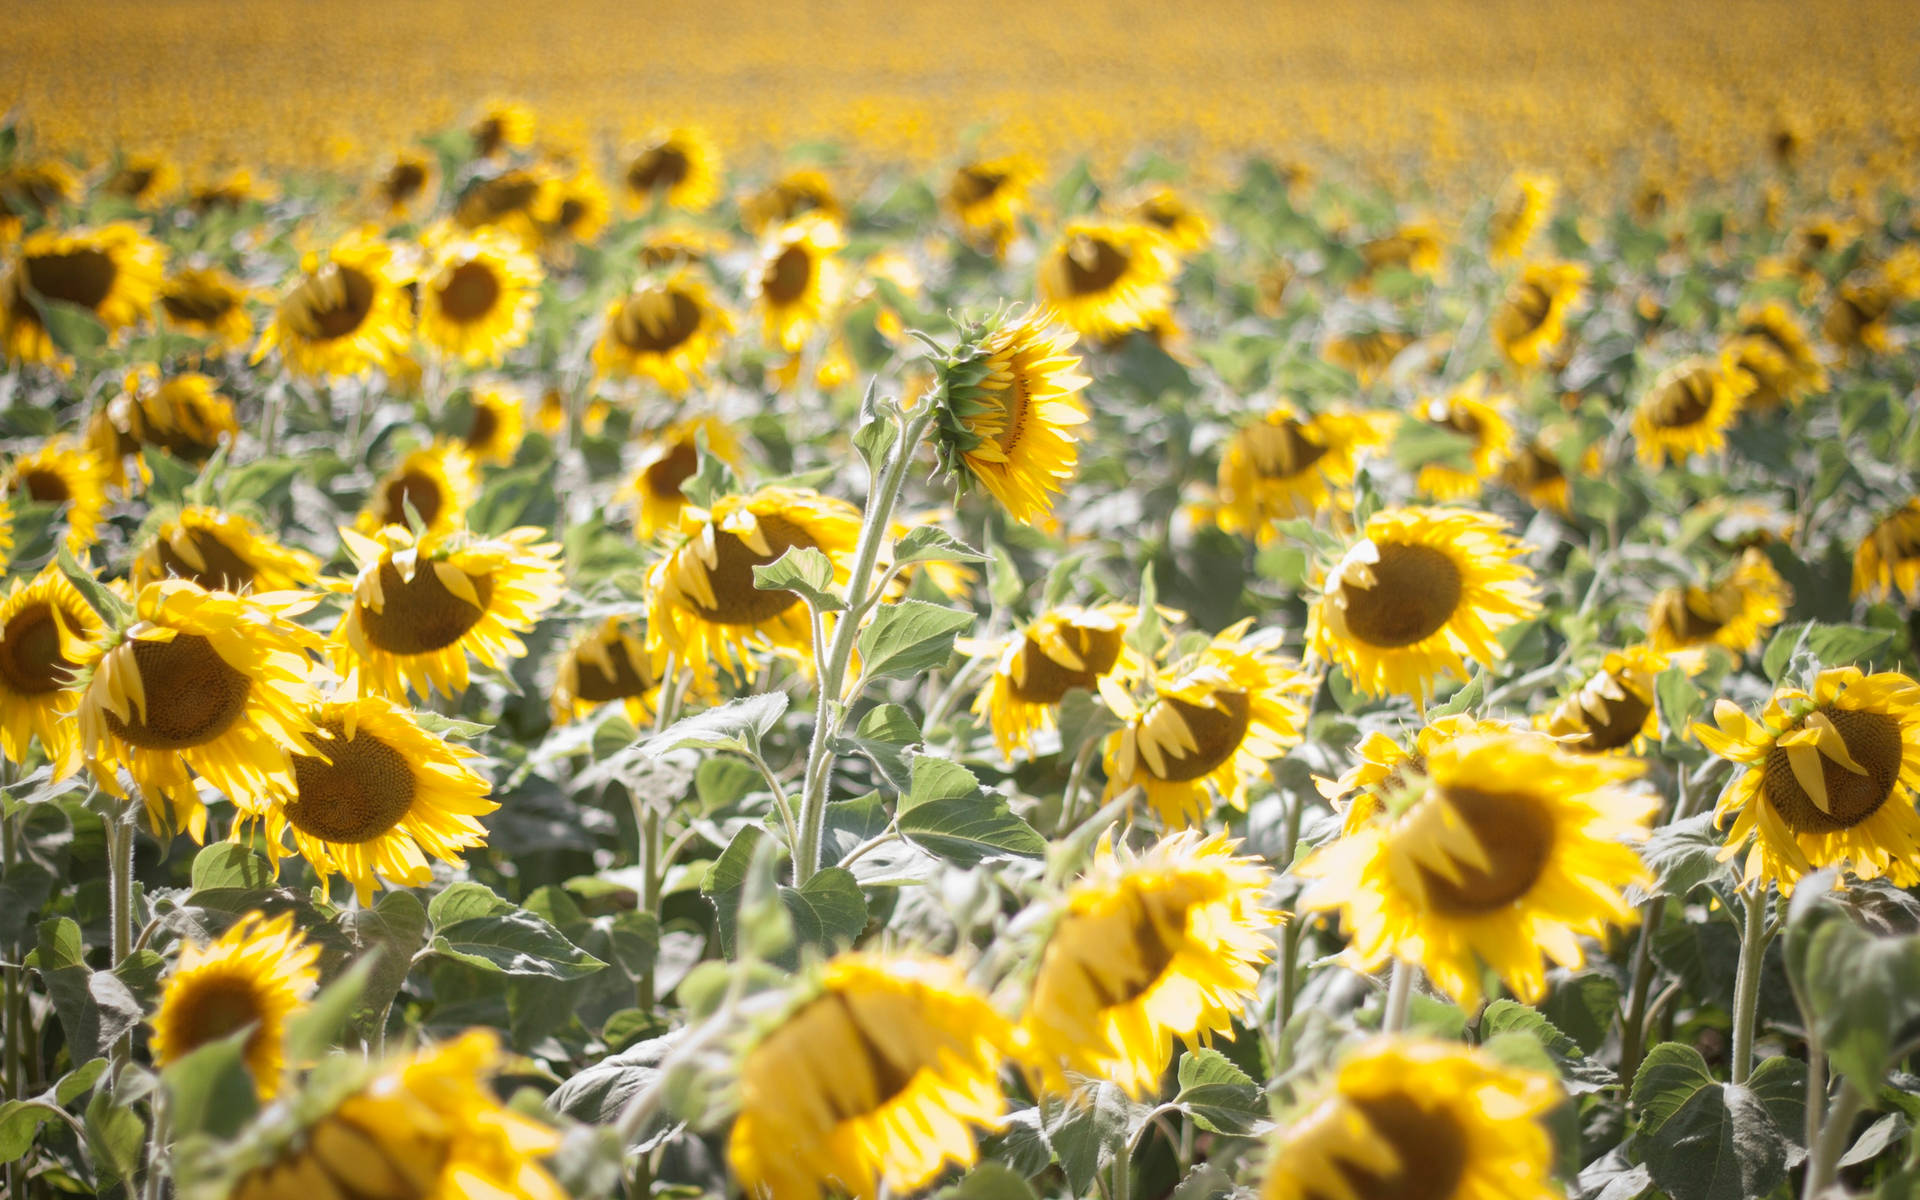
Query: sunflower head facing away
(989, 196)
(1509, 849)
(34, 189)
(876, 1082)
(1734, 613)
(61, 472)
(1523, 205)
(1829, 780)
(44, 623)
(1614, 709)
(668, 458)
(519, 202)
(1107, 278)
(477, 295)
(1477, 417)
(1532, 318)
(1148, 948)
(347, 313)
(207, 302)
(1856, 319)
(667, 330)
(1888, 560)
(606, 664)
(259, 973)
(1422, 591)
(1688, 409)
(798, 279)
(680, 168)
(437, 482)
(1290, 464)
(1058, 651)
(112, 273)
(222, 552)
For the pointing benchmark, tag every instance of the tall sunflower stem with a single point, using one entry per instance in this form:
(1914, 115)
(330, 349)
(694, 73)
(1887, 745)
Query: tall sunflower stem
(119, 831)
(1746, 984)
(12, 1012)
(1076, 775)
(1633, 1021)
(1121, 1185)
(1399, 998)
(1823, 1154)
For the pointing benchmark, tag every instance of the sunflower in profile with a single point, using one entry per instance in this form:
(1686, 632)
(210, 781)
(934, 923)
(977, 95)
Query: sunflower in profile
(1532, 318)
(202, 683)
(477, 295)
(377, 799)
(519, 202)
(495, 425)
(260, 972)
(1149, 947)
(1509, 849)
(1414, 247)
(405, 189)
(1183, 225)
(1366, 352)
(209, 303)
(437, 481)
(1010, 412)
(1888, 559)
(1423, 590)
(1404, 1117)
(798, 278)
(143, 179)
(112, 273)
(605, 664)
(702, 605)
(1059, 650)
(34, 189)
(1522, 207)
(1614, 709)
(680, 168)
(426, 1128)
(667, 330)
(504, 125)
(989, 197)
(1734, 613)
(44, 622)
(62, 472)
(1829, 780)
(222, 552)
(347, 314)
(1856, 319)
(1291, 464)
(1687, 411)
(581, 209)
(1772, 348)
(668, 458)
(794, 195)
(181, 415)
(1386, 768)
(419, 608)
(1476, 416)
(1210, 726)
(872, 1083)
(1108, 277)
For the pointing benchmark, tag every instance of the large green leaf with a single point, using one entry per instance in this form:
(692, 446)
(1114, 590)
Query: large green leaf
(474, 926)
(946, 813)
(909, 638)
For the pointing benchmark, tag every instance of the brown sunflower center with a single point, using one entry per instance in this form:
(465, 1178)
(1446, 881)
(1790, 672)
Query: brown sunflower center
(1682, 401)
(361, 794)
(1048, 681)
(331, 304)
(1093, 265)
(1534, 467)
(1131, 968)
(225, 571)
(972, 185)
(131, 182)
(30, 660)
(666, 474)
(1897, 538)
(1612, 723)
(200, 306)
(404, 182)
(1873, 739)
(640, 329)
(629, 677)
(1281, 450)
(192, 695)
(83, 277)
(488, 136)
(214, 1009)
(885, 1077)
(420, 615)
(486, 423)
(786, 277)
(1515, 833)
(1415, 591)
(1429, 1143)
(660, 167)
(1217, 734)
(1017, 402)
(1526, 310)
(1773, 337)
(1459, 420)
(499, 197)
(469, 293)
(421, 490)
(1687, 614)
(44, 486)
(573, 210)
(736, 600)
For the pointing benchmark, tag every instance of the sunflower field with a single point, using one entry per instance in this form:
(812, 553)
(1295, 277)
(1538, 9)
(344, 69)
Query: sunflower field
(1260, 602)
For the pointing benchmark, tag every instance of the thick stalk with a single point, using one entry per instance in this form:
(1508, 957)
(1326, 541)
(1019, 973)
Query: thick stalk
(1823, 1156)
(1746, 984)
(1070, 795)
(1121, 1185)
(1399, 998)
(12, 1011)
(1633, 1023)
(1289, 946)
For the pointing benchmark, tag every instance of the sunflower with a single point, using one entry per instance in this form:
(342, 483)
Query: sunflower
(702, 605)
(420, 607)
(1386, 768)
(377, 798)
(519, 202)
(1856, 319)
(427, 1128)
(34, 189)
(222, 552)
(1518, 212)
(1413, 247)
(1532, 319)
(1291, 464)
(1213, 722)
(44, 622)
(1830, 779)
(1184, 226)
(1533, 469)
(62, 472)
(1476, 416)
(1406, 1117)
(797, 280)
(1614, 709)
(1108, 277)
(580, 209)
(227, 191)
(794, 195)
(870, 1084)
(680, 168)
(259, 973)
(605, 663)
(504, 125)
(668, 458)
(477, 295)
(1510, 848)
(682, 246)
(438, 481)
(405, 188)
(1420, 592)
(1366, 352)
(1772, 348)
(209, 303)
(1687, 410)
(347, 314)
(988, 198)
(495, 427)
(1149, 947)
(666, 330)
(112, 273)
(1888, 559)
(1734, 613)
(1059, 650)
(181, 415)
(1009, 412)
(202, 683)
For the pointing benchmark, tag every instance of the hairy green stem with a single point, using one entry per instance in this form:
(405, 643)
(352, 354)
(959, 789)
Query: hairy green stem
(1823, 1154)
(1399, 997)
(119, 830)
(1746, 983)
(12, 1011)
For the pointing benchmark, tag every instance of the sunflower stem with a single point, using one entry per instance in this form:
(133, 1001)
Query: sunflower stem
(119, 831)
(1399, 998)
(12, 1011)
(1823, 1155)
(1121, 1185)
(1070, 795)
(1633, 1021)
(1746, 985)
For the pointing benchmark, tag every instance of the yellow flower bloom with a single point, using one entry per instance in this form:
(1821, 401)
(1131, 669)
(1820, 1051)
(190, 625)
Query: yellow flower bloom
(1522, 207)
(798, 280)
(581, 209)
(438, 481)
(1476, 416)
(668, 458)
(181, 415)
(1289, 464)
(1687, 411)
(1105, 278)
(222, 552)
(112, 272)
(666, 330)
(1534, 470)
(989, 197)
(34, 188)
(1888, 560)
(62, 472)
(519, 202)
(1614, 709)
(1772, 348)
(605, 663)
(1367, 353)
(504, 125)
(477, 295)
(259, 973)
(209, 303)
(44, 623)
(145, 179)
(1856, 320)
(1058, 651)
(790, 197)
(1184, 226)
(1734, 613)
(405, 188)
(680, 167)
(682, 246)
(1369, 788)
(1413, 247)
(1532, 318)
(347, 314)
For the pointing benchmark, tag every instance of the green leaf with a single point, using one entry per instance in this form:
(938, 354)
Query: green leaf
(828, 911)
(210, 1091)
(1583, 1007)
(727, 881)
(909, 638)
(1219, 1096)
(390, 933)
(315, 1029)
(1668, 1077)
(1419, 443)
(230, 865)
(117, 613)
(988, 1181)
(20, 1120)
(736, 725)
(72, 328)
(1087, 1131)
(886, 736)
(1827, 645)
(447, 727)
(948, 814)
(1685, 854)
(476, 927)
(930, 543)
(1463, 699)
(1862, 991)
(115, 1134)
(1679, 701)
(1579, 1073)
(1720, 1144)
(1780, 1084)
(803, 570)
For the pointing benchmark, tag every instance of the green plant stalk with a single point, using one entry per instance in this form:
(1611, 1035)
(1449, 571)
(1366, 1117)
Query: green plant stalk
(1120, 1186)
(1746, 984)
(1399, 997)
(1633, 1021)
(11, 1010)
(119, 830)
(1823, 1154)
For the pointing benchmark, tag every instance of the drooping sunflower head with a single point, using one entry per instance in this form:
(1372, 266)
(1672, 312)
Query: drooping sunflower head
(702, 605)
(667, 330)
(1291, 464)
(1009, 411)
(44, 623)
(418, 608)
(680, 168)
(793, 195)
(1688, 409)
(989, 196)
(1149, 947)
(876, 1081)
(1176, 217)
(1414, 246)
(346, 314)
(518, 202)
(606, 664)
(259, 973)
(798, 279)
(1511, 848)
(1059, 650)
(202, 683)
(1888, 560)
(1532, 318)
(34, 190)
(1208, 728)
(1829, 780)
(222, 552)
(209, 303)
(437, 481)
(1856, 320)
(477, 295)
(1614, 710)
(61, 472)
(1477, 417)
(504, 125)
(1734, 613)
(1409, 1117)
(1522, 207)
(1772, 347)
(1373, 786)
(1106, 278)
(181, 415)
(406, 187)
(111, 272)
(670, 457)
(495, 424)
(1422, 591)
